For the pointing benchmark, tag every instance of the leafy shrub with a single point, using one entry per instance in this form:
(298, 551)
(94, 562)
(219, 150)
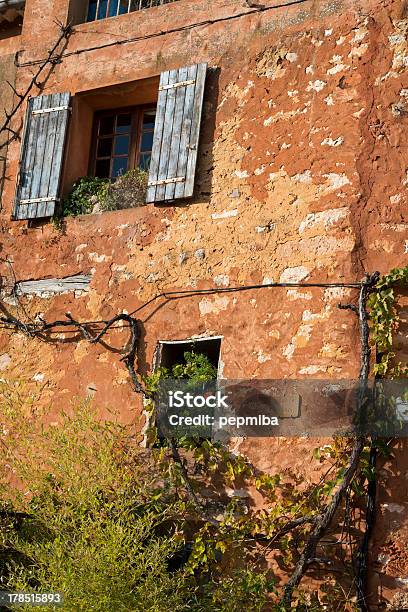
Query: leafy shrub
(197, 368)
(128, 191)
(98, 519)
(85, 193)
(91, 194)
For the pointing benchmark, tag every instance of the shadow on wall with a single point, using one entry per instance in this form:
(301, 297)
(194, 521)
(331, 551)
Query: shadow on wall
(205, 159)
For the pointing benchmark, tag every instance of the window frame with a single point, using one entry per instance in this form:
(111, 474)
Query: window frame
(194, 342)
(136, 133)
(118, 14)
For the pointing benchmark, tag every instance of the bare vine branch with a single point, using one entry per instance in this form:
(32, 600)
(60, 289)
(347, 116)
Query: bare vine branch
(325, 518)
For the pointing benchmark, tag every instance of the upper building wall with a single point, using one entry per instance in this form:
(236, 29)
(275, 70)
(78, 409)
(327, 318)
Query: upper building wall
(296, 75)
(301, 165)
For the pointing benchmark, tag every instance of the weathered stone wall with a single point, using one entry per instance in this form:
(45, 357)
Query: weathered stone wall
(302, 176)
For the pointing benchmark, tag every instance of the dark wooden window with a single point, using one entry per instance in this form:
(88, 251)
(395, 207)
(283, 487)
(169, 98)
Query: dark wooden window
(100, 9)
(122, 140)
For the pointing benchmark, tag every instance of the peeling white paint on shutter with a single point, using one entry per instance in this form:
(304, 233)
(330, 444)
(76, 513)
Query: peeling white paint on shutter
(176, 134)
(42, 156)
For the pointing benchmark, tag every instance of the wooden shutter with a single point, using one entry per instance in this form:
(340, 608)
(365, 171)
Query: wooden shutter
(42, 156)
(176, 134)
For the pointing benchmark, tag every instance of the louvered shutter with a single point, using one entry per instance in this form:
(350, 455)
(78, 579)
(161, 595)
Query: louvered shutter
(176, 133)
(42, 156)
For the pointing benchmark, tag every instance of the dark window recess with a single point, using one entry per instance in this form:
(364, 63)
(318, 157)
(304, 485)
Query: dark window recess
(11, 18)
(169, 354)
(146, 138)
(172, 353)
(122, 140)
(101, 9)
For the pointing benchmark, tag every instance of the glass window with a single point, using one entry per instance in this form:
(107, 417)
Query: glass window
(113, 8)
(119, 166)
(100, 9)
(104, 147)
(92, 10)
(146, 140)
(122, 145)
(123, 123)
(106, 125)
(102, 168)
(123, 140)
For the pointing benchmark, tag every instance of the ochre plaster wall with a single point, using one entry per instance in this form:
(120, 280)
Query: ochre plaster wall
(302, 176)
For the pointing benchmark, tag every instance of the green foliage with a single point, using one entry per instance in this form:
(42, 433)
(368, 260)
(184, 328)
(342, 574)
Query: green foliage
(95, 521)
(127, 191)
(384, 321)
(104, 519)
(244, 589)
(196, 368)
(91, 194)
(85, 193)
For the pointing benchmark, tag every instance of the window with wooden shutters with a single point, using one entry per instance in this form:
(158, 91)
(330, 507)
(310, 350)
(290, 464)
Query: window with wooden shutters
(42, 156)
(176, 134)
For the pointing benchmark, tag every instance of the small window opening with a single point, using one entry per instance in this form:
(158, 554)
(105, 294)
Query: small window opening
(172, 353)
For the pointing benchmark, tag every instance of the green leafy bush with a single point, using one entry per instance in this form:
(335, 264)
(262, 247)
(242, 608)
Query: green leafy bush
(91, 194)
(85, 193)
(196, 368)
(100, 520)
(128, 191)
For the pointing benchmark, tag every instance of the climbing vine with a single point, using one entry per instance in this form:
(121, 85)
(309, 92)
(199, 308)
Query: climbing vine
(385, 320)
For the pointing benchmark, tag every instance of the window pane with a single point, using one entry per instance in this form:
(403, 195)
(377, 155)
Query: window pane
(147, 141)
(123, 123)
(149, 118)
(102, 168)
(123, 7)
(113, 8)
(91, 10)
(144, 162)
(104, 147)
(103, 5)
(106, 125)
(122, 145)
(119, 167)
